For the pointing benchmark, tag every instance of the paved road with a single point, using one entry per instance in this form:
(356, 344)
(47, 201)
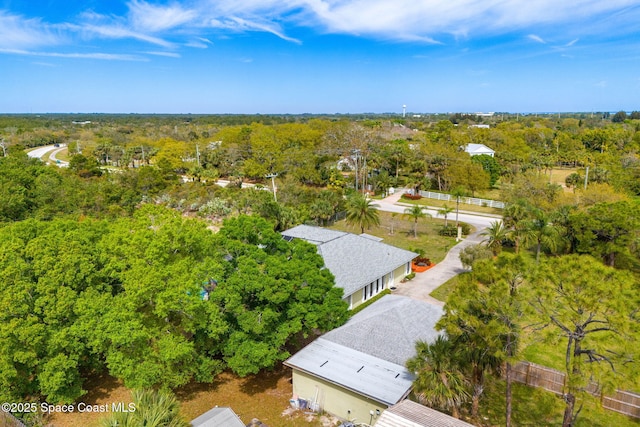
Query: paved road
(41, 151)
(425, 283)
(52, 150)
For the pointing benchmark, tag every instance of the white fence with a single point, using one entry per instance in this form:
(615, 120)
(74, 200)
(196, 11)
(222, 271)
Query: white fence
(466, 200)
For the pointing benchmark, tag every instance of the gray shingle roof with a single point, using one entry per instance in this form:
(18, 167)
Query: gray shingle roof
(366, 375)
(218, 417)
(315, 235)
(367, 354)
(411, 414)
(389, 328)
(354, 261)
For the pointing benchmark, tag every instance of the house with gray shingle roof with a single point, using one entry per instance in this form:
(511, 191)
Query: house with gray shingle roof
(359, 368)
(362, 265)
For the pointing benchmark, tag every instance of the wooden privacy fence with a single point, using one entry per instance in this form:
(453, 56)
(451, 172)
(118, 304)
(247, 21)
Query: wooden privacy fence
(624, 402)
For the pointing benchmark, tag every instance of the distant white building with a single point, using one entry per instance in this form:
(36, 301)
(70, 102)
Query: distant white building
(480, 126)
(477, 149)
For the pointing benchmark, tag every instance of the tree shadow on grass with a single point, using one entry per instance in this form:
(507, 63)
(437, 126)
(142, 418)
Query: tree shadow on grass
(191, 390)
(263, 381)
(100, 387)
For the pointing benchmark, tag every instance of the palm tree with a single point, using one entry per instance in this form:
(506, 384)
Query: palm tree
(445, 211)
(516, 218)
(321, 210)
(440, 382)
(361, 212)
(542, 233)
(152, 409)
(457, 193)
(383, 182)
(495, 234)
(415, 212)
(392, 222)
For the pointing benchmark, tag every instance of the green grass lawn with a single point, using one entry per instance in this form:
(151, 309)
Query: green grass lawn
(64, 155)
(558, 175)
(546, 347)
(435, 203)
(442, 292)
(536, 407)
(434, 245)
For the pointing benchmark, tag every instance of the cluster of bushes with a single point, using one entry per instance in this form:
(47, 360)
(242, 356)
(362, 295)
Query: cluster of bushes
(452, 231)
(411, 196)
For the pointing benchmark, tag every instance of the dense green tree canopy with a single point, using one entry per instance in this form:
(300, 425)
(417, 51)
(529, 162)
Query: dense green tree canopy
(156, 300)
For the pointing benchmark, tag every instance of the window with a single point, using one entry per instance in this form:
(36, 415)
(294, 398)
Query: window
(372, 289)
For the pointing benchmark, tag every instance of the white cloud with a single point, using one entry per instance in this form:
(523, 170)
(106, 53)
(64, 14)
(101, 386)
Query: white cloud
(176, 23)
(268, 27)
(94, 55)
(119, 32)
(167, 54)
(147, 17)
(417, 20)
(199, 43)
(44, 64)
(536, 38)
(17, 32)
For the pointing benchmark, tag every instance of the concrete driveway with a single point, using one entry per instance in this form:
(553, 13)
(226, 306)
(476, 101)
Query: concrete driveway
(425, 283)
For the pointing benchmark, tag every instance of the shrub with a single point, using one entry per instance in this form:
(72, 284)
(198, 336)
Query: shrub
(471, 254)
(411, 196)
(452, 231)
(369, 302)
(422, 261)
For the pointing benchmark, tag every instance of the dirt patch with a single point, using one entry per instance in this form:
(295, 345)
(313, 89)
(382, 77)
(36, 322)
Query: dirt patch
(102, 390)
(264, 396)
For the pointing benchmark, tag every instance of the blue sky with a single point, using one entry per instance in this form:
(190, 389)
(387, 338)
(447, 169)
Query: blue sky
(319, 56)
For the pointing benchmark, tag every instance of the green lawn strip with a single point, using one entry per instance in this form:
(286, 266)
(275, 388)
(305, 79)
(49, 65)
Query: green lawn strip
(434, 245)
(63, 155)
(436, 204)
(442, 292)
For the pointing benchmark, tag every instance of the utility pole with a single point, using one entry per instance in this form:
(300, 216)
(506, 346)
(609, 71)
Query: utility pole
(198, 155)
(357, 153)
(273, 184)
(364, 175)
